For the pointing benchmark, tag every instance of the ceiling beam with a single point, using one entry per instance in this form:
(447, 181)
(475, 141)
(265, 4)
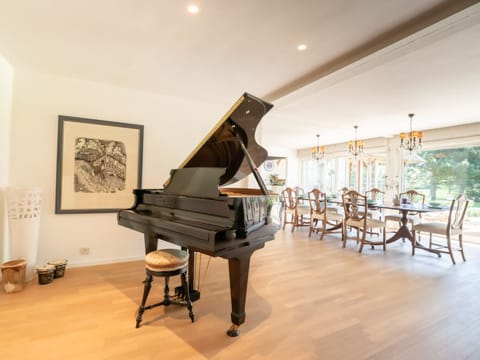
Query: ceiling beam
(420, 22)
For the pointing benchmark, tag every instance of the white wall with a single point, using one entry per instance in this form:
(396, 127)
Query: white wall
(6, 83)
(293, 171)
(173, 127)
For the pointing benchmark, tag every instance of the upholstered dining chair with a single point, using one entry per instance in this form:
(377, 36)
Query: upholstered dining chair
(452, 228)
(321, 215)
(294, 213)
(355, 206)
(413, 197)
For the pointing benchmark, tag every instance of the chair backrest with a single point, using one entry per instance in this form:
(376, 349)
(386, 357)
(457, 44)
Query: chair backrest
(413, 196)
(374, 194)
(298, 190)
(355, 205)
(458, 209)
(317, 201)
(289, 197)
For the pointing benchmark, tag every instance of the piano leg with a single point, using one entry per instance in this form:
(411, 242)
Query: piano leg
(151, 242)
(238, 270)
(194, 294)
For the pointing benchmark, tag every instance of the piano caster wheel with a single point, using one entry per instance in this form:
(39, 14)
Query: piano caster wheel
(233, 331)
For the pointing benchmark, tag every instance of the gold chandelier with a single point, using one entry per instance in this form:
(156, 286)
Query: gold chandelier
(412, 140)
(356, 147)
(318, 152)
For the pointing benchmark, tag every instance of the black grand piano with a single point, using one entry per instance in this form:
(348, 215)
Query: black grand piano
(195, 210)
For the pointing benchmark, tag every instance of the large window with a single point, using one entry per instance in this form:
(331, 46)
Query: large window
(331, 175)
(442, 174)
(367, 172)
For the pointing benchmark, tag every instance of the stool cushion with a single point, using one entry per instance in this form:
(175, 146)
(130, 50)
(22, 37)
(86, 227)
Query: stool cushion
(166, 260)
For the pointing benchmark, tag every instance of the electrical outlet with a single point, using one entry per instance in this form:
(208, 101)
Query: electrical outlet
(84, 251)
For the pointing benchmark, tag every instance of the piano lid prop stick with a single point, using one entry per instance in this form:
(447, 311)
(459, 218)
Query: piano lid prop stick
(251, 163)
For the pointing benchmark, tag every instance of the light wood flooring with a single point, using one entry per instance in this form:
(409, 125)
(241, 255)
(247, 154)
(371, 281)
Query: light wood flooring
(307, 299)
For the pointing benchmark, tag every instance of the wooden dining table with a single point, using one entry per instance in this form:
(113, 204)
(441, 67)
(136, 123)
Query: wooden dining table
(403, 231)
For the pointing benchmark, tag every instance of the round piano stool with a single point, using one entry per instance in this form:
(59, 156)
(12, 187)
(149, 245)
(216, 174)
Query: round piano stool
(166, 263)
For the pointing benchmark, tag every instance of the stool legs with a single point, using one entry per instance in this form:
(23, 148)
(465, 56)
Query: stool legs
(187, 296)
(180, 299)
(166, 293)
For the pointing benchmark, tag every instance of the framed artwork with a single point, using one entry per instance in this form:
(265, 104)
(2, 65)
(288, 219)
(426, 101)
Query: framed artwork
(99, 163)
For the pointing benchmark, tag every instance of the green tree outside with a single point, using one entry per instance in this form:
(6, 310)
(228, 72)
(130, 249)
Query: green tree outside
(446, 173)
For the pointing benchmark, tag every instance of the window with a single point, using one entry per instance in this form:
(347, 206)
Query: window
(333, 174)
(442, 174)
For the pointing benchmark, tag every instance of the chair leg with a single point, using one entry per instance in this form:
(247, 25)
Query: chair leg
(449, 246)
(344, 235)
(312, 227)
(324, 228)
(362, 242)
(146, 291)
(384, 239)
(414, 241)
(460, 243)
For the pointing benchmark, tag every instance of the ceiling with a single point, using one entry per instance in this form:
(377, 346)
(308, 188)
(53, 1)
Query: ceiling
(368, 63)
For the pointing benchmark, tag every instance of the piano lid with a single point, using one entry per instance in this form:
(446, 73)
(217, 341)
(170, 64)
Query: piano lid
(221, 147)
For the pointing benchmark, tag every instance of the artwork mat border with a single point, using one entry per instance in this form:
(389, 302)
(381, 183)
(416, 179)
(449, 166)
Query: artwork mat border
(96, 203)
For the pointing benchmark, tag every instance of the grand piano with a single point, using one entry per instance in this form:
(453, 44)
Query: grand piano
(196, 210)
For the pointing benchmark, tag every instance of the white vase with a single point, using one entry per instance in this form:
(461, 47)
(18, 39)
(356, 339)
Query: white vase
(23, 211)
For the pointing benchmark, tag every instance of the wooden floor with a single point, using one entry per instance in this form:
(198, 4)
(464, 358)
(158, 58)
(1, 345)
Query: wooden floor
(307, 299)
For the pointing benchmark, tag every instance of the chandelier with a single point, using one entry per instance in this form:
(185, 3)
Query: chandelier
(412, 140)
(355, 147)
(318, 152)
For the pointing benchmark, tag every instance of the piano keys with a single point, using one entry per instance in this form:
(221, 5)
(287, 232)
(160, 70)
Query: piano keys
(196, 211)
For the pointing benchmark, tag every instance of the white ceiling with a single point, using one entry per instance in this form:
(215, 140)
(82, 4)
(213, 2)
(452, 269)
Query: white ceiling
(368, 62)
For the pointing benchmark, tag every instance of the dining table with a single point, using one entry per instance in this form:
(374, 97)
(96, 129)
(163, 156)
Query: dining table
(404, 209)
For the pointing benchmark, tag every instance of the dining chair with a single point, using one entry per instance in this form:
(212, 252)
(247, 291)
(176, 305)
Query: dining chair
(322, 216)
(355, 206)
(299, 190)
(294, 213)
(413, 197)
(374, 195)
(301, 196)
(453, 227)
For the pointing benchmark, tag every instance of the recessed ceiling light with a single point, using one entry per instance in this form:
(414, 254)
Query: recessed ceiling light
(193, 9)
(302, 47)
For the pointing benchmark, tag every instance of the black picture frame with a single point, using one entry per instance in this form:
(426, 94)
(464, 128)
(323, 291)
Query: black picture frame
(99, 163)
